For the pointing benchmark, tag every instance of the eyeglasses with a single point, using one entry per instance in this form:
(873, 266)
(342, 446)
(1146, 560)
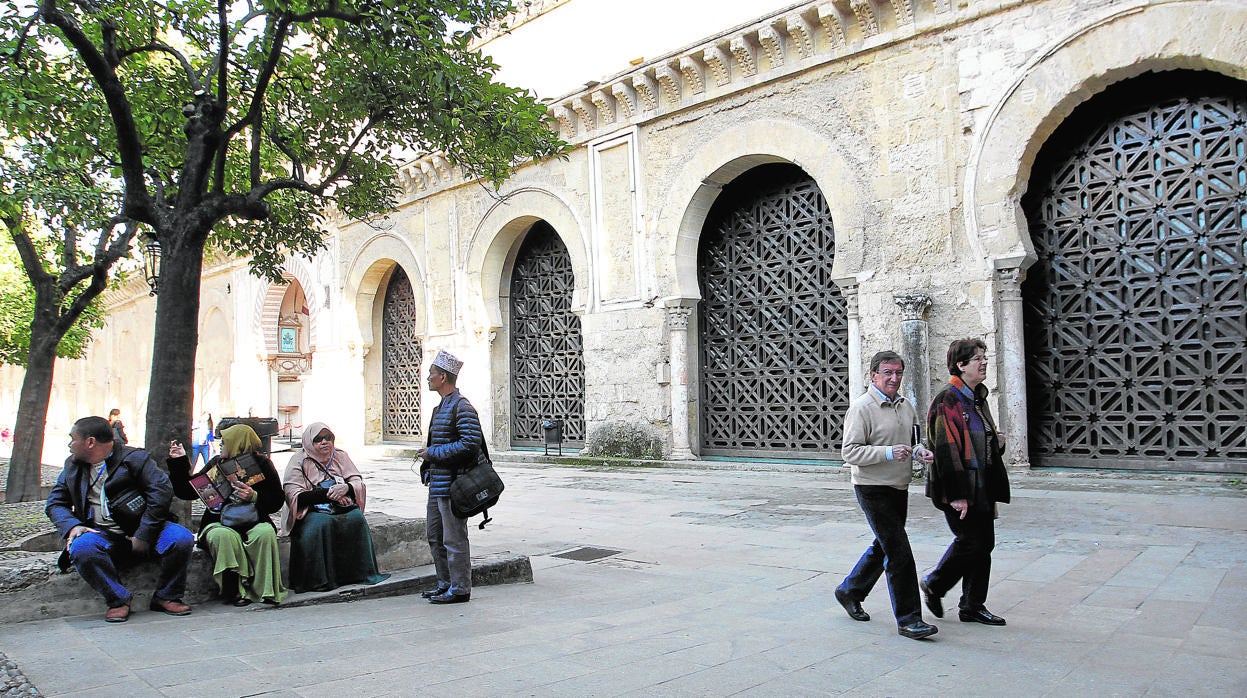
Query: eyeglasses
(888, 373)
(322, 437)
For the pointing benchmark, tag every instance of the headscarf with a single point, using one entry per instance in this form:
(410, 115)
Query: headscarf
(239, 439)
(305, 472)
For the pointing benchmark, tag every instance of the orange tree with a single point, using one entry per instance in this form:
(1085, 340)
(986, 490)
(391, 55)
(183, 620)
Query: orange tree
(237, 123)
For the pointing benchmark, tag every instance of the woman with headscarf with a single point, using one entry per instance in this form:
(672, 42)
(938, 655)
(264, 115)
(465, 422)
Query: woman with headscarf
(330, 544)
(965, 481)
(246, 563)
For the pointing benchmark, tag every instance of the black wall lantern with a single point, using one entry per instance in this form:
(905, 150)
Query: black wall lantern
(151, 262)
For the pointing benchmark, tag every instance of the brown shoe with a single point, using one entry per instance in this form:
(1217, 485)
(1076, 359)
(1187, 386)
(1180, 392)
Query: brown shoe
(173, 607)
(117, 614)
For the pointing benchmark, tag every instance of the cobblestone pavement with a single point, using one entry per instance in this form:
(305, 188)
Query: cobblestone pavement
(15, 683)
(717, 580)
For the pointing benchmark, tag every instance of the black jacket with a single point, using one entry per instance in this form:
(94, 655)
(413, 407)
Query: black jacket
(269, 499)
(128, 468)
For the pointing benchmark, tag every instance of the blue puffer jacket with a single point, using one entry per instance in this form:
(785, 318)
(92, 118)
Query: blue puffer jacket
(455, 439)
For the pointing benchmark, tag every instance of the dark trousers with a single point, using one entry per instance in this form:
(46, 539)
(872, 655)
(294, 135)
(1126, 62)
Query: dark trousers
(885, 508)
(968, 559)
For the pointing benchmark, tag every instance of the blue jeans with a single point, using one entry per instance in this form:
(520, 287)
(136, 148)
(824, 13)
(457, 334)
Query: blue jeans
(448, 541)
(95, 556)
(200, 451)
(885, 508)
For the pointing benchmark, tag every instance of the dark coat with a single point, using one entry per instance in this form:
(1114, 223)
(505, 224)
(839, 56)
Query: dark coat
(128, 468)
(950, 476)
(269, 500)
(455, 442)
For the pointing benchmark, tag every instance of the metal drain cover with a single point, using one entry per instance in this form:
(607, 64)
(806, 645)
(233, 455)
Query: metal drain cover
(587, 554)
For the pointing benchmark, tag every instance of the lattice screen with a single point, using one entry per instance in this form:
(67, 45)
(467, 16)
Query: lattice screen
(773, 335)
(547, 361)
(1136, 312)
(401, 355)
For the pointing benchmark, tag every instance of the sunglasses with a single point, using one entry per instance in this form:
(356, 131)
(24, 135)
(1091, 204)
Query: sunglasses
(322, 437)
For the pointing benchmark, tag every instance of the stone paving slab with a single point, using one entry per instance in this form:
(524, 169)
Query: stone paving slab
(722, 586)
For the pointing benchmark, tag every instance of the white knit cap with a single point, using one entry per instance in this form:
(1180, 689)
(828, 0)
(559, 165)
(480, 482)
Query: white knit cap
(448, 362)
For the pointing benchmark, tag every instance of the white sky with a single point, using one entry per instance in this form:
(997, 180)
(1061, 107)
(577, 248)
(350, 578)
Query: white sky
(585, 40)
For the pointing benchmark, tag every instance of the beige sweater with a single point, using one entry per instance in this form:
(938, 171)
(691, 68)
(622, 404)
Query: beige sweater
(870, 426)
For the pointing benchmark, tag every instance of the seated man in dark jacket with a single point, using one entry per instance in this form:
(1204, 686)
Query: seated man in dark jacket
(88, 506)
(455, 441)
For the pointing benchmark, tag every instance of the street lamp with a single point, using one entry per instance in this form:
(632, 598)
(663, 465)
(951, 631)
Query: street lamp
(151, 262)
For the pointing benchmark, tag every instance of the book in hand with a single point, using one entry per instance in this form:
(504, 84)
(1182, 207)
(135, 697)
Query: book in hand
(213, 485)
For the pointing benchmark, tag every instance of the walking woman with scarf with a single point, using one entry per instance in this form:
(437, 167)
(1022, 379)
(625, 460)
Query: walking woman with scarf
(965, 481)
(330, 544)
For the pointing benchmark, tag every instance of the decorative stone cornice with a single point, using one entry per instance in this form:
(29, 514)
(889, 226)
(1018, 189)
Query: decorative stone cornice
(289, 365)
(820, 31)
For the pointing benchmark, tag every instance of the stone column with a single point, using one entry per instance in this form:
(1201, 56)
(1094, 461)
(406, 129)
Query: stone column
(1012, 353)
(857, 380)
(916, 349)
(677, 338)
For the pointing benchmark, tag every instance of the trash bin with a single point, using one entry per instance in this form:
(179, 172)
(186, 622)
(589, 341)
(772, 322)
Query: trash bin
(265, 428)
(554, 434)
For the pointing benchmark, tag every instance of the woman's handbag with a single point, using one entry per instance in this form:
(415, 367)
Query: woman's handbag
(331, 507)
(239, 516)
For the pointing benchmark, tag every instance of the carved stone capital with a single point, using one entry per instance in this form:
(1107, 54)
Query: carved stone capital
(865, 17)
(914, 306)
(829, 17)
(677, 317)
(694, 74)
(773, 42)
(625, 99)
(802, 34)
(647, 89)
(1009, 284)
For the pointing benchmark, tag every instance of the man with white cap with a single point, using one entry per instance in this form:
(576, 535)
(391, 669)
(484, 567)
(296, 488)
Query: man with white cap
(455, 441)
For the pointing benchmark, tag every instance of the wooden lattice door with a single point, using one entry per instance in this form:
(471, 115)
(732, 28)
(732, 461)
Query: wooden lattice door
(401, 356)
(773, 326)
(547, 360)
(1136, 311)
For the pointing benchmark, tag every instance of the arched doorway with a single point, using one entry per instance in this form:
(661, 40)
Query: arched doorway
(1136, 310)
(401, 356)
(547, 360)
(773, 338)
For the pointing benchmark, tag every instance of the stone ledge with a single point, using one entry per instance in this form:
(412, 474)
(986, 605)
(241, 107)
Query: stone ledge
(490, 570)
(33, 588)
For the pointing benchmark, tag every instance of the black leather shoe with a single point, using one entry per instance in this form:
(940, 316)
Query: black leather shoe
(981, 615)
(934, 603)
(450, 598)
(430, 593)
(917, 630)
(851, 607)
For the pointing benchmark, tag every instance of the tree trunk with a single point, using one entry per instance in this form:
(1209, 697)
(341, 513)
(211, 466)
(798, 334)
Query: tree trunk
(171, 393)
(26, 464)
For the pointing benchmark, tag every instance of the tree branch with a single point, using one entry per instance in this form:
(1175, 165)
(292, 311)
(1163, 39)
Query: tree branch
(138, 203)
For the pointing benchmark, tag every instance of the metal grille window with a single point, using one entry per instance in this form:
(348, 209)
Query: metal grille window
(401, 356)
(773, 328)
(547, 363)
(1136, 311)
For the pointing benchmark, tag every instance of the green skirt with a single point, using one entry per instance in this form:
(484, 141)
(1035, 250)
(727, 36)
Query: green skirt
(329, 550)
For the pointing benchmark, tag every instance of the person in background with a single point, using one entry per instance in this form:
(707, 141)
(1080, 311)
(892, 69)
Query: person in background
(119, 429)
(99, 471)
(879, 429)
(965, 482)
(246, 563)
(202, 437)
(330, 544)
